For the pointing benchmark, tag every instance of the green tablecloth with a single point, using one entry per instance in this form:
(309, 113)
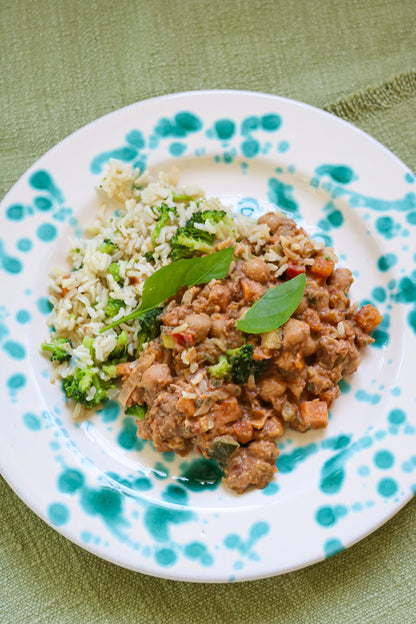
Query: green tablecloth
(67, 62)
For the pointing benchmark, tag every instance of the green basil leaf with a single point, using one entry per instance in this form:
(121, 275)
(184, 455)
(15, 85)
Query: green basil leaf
(166, 282)
(274, 308)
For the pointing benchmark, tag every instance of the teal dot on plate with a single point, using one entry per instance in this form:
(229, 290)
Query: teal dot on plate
(231, 541)
(386, 262)
(270, 489)
(70, 481)
(195, 550)
(136, 138)
(332, 547)
(11, 265)
(224, 129)
(271, 122)
(387, 487)
(31, 421)
(165, 557)
(44, 306)
(15, 212)
(142, 484)
(43, 203)
(176, 149)
(325, 516)
(363, 471)
(58, 514)
(16, 381)
(46, 232)
(250, 148)
(14, 350)
(86, 536)
(396, 417)
(283, 146)
(188, 121)
(110, 411)
(24, 244)
(384, 459)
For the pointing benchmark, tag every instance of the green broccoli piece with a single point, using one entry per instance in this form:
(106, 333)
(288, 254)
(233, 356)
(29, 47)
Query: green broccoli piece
(185, 246)
(221, 370)
(149, 256)
(190, 241)
(88, 342)
(259, 368)
(114, 270)
(57, 350)
(77, 386)
(181, 197)
(110, 370)
(113, 306)
(139, 411)
(149, 327)
(238, 365)
(119, 353)
(164, 218)
(107, 246)
(241, 361)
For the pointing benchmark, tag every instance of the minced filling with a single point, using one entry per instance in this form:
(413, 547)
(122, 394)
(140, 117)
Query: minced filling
(203, 385)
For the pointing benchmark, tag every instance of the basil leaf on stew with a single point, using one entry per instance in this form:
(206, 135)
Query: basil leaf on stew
(274, 308)
(166, 282)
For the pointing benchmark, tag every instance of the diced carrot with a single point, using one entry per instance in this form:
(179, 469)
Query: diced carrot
(227, 411)
(313, 415)
(293, 270)
(368, 317)
(322, 266)
(64, 289)
(187, 406)
(252, 290)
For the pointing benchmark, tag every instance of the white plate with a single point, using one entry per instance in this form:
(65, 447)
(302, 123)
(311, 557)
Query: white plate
(114, 495)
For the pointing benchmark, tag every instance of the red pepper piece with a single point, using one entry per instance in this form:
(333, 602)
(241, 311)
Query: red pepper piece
(184, 340)
(293, 270)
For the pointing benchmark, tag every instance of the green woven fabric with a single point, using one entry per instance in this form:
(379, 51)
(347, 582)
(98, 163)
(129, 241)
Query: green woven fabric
(65, 63)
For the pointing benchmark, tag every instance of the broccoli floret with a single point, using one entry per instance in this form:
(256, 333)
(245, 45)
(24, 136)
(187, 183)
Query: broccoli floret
(139, 411)
(110, 370)
(113, 306)
(119, 353)
(164, 217)
(241, 361)
(107, 246)
(149, 256)
(190, 241)
(149, 327)
(238, 365)
(185, 246)
(181, 197)
(259, 367)
(77, 387)
(114, 270)
(221, 370)
(88, 343)
(57, 350)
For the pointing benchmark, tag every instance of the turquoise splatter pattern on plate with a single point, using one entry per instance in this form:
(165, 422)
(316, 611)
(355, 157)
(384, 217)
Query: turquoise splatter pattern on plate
(110, 492)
